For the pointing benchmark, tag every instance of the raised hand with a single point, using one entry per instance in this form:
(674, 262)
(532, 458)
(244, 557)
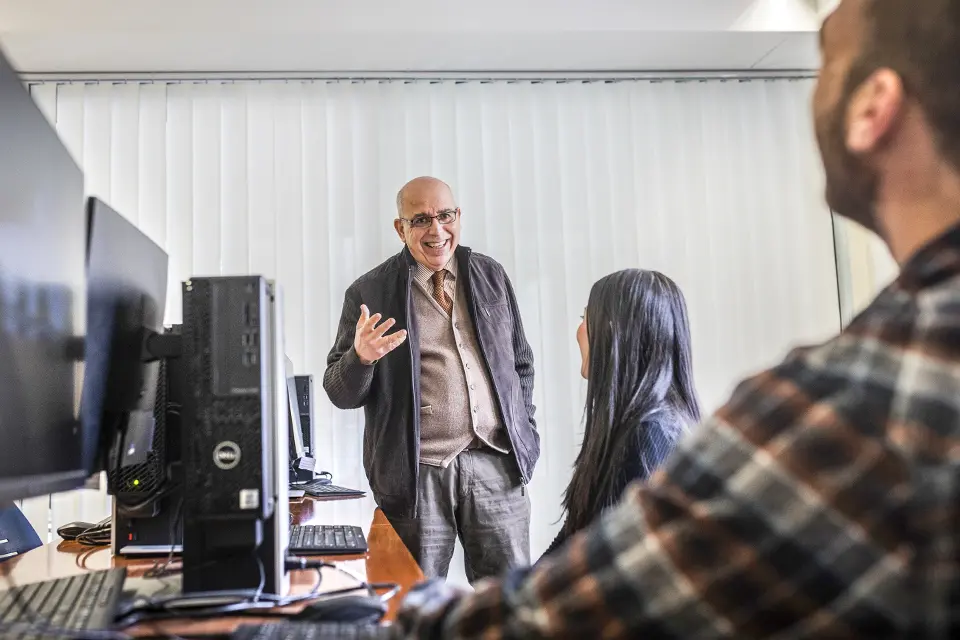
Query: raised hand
(369, 342)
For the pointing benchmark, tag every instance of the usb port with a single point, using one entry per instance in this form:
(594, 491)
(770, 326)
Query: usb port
(249, 339)
(249, 359)
(249, 314)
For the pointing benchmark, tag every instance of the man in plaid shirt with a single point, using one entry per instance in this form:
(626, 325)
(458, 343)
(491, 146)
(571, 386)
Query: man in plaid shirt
(823, 501)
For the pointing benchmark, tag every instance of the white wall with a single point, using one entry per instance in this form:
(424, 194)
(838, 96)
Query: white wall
(715, 183)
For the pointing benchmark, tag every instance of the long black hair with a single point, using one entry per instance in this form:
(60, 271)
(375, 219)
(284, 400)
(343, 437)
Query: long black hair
(640, 374)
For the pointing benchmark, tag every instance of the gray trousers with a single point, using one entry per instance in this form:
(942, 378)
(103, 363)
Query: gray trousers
(478, 498)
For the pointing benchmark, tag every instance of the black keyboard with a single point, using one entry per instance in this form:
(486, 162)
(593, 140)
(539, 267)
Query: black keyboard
(313, 631)
(321, 488)
(323, 540)
(88, 601)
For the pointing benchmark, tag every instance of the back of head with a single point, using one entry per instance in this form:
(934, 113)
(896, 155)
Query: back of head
(887, 112)
(640, 347)
(640, 372)
(920, 41)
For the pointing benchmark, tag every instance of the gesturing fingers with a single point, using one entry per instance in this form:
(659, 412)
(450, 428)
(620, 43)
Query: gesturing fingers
(386, 344)
(364, 316)
(372, 342)
(396, 339)
(384, 327)
(371, 322)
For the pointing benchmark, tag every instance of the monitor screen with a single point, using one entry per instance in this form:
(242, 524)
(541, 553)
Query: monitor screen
(42, 240)
(126, 294)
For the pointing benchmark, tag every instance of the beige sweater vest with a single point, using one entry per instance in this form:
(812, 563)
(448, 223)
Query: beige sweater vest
(457, 403)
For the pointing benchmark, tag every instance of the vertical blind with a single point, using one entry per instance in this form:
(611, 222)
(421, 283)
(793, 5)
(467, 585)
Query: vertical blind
(714, 182)
(865, 266)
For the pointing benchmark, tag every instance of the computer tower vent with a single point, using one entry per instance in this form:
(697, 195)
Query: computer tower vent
(135, 483)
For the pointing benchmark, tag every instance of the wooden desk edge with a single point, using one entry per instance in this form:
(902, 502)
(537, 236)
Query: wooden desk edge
(387, 560)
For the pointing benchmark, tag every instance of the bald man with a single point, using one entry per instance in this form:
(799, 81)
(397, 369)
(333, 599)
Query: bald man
(431, 345)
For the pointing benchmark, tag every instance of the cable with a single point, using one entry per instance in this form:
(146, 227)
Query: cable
(296, 562)
(81, 558)
(158, 570)
(248, 602)
(162, 492)
(182, 606)
(392, 589)
(96, 535)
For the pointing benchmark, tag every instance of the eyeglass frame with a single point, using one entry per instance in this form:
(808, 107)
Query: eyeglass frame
(429, 219)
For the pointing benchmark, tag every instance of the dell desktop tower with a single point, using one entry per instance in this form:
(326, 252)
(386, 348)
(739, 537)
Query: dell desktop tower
(236, 511)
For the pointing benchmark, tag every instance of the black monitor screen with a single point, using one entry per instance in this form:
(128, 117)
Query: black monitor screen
(42, 239)
(126, 295)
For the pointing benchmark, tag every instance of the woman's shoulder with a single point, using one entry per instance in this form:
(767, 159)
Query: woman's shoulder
(653, 442)
(663, 428)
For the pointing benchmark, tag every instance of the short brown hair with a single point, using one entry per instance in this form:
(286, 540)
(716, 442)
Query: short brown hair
(920, 41)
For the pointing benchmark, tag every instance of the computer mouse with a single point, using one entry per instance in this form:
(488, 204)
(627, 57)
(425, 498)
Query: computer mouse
(71, 530)
(353, 608)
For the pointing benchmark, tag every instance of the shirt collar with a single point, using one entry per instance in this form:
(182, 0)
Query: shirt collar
(937, 261)
(423, 274)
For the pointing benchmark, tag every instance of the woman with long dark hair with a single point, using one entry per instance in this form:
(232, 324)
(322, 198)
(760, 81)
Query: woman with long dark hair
(635, 346)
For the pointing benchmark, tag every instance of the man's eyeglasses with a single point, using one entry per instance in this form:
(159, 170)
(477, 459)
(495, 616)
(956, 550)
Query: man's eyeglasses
(423, 220)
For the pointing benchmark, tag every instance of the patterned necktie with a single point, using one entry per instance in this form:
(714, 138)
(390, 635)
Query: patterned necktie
(439, 294)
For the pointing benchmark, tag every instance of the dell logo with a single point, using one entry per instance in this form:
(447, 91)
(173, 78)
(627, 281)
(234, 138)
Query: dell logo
(226, 455)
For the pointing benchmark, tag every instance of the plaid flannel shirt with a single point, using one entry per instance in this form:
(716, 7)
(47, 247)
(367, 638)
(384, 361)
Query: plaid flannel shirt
(823, 501)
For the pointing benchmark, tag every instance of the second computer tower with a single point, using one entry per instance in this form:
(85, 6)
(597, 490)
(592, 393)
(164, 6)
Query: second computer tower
(148, 497)
(305, 405)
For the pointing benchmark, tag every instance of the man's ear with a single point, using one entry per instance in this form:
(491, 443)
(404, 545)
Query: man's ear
(874, 111)
(398, 226)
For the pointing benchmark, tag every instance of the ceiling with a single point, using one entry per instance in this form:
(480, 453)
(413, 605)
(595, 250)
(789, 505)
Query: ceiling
(330, 36)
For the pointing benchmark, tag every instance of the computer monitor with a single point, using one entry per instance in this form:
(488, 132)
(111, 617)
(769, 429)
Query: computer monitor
(296, 429)
(42, 297)
(126, 295)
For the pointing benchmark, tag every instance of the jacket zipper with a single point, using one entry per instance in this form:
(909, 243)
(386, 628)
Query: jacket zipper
(415, 382)
(476, 315)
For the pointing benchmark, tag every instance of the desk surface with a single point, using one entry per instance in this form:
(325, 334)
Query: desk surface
(387, 560)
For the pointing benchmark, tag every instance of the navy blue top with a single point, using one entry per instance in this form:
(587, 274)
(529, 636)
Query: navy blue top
(16, 534)
(646, 454)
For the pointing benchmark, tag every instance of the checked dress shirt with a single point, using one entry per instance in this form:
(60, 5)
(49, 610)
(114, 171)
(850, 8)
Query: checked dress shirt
(823, 501)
